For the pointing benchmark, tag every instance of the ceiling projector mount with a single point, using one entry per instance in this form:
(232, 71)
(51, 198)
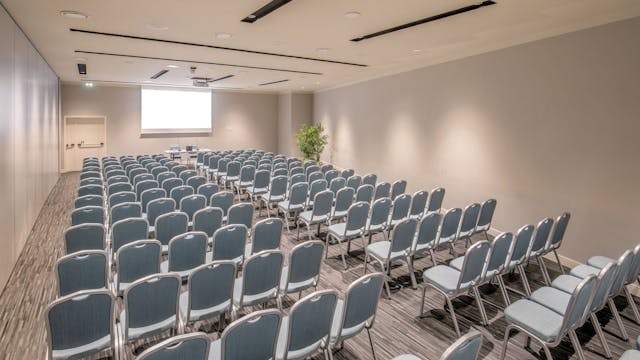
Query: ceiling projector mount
(199, 81)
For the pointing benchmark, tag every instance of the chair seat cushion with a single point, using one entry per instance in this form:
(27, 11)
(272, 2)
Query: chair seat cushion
(337, 323)
(443, 277)
(599, 261)
(380, 251)
(630, 355)
(539, 320)
(149, 330)
(582, 271)
(294, 287)
(306, 217)
(256, 191)
(285, 206)
(338, 231)
(457, 263)
(566, 283)
(406, 357)
(555, 299)
(248, 300)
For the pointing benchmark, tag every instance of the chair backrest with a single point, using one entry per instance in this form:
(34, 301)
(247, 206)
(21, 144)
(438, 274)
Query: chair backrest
(305, 262)
(380, 211)
(579, 303)
(361, 303)
(222, 200)
(136, 260)
(87, 215)
(128, 230)
(322, 204)
(229, 242)
(397, 188)
(297, 178)
(354, 182)
(254, 336)
(418, 203)
(336, 184)
(520, 246)
(118, 179)
(370, 179)
(196, 181)
(158, 207)
(135, 170)
(449, 227)
(606, 279)
(325, 168)
(193, 346)
(402, 237)
(317, 187)
(233, 168)
(118, 187)
(150, 300)
(635, 266)
(310, 321)
(486, 215)
(166, 176)
(82, 270)
(266, 235)
(473, 265)
(158, 170)
(241, 214)
(169, 225)
(125, 211)
(364, 193)
(67, 317)
(121, 197)
(329, 175)
(298, 194)
(499, 255)
(261, 179)
(85, 237)
(436, 199)
(149, 195)
(187, 251)
(89, 175)
(347, 173)
(401, 204)
(208, 190)
(178, 169)
(213, 162)
(170, 184)
(541, 236)
(90, 190)
(180, 192)
(261, 274)
(208, 220)
(465, 348)
(278, 187)
(187, 174)
(247, 173)
(88, 200)
(211, 285)
(344, 199)
(555, 240)
(624, 266)
(192, 203)
(308, 170)
(91, 181)
(357, 216)
(428, 231)
(315, 176)
(469, 220)
(383, 190)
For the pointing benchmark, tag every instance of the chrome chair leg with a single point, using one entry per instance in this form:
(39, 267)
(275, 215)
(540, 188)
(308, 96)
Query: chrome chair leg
(603, 340)
(616, 316)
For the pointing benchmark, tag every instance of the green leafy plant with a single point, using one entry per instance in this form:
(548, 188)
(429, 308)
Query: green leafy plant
(311, 141)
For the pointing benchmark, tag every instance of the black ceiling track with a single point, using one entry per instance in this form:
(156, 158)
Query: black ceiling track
(265, 10)
(425, 20)
(274, 82)
(196, 62)
(159, 73)
(174, 42)
(211, 80)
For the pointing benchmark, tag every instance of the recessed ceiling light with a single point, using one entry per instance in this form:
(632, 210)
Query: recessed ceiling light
(173, 66)
(416, 50)
(317, 82)
(88, 84)
(157, 27)
(80, 59)
(223, 36)
(322, 50)
(302, 87)
(73, 14)
(352, 14)
(128, 61)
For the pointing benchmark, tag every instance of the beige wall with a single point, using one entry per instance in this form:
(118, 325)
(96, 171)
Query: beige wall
(28, 139)
(294, 110)
(240, 120)
(543, 127)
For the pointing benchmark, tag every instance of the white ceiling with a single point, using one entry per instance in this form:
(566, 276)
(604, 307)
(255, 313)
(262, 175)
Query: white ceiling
(298, 28)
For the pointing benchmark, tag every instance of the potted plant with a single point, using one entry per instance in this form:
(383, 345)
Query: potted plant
(311, 141)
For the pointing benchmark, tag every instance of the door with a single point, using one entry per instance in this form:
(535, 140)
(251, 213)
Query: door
(83, 137)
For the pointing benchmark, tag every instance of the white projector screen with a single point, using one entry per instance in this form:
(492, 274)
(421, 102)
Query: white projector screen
(165, 111)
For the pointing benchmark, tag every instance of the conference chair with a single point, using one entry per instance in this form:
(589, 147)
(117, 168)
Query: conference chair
(555, 240)
(208, 220)
(88, 200)
(134, 261)
(170, 225)
(194, 346)
(180, 192)
(91, 181)
(117, 179)
(232, 174)
(347, 173)
(158, 170)
(277, 192)
(241, 214)
(120, 198)
(294, 204)
(82, 270)
(88, 215)
(307, 328)
(485, 218)
(158, 207)
(90, 190)
(229, 243)
(466, 348)
(128, 230)
(148, 196)
(208, 190)
(343, 200)
(118, 187)
(468, 223)
(166, 176)
(435, 200)
(370, 179)
(397, 188)
(260, 184)
(379, 218)
(325, 168)
(329, 175)
(85, 237)
(222, 200)
(266, 235)
(90, 174)
(186, 252)
(192, 203)
(449, 228)
(315, 188)
(81, 324)
(303, 269)
(125, 211)
(260, 280)
(357, 312)
(178, 169)
(538, 243)
(320, 213)
(352, 228)
(397, 248)
(187, 174)
(399, 211)
(519, 251)
(252, 337)
(315, 176)
(170, 184)
(145, 185)
(195, 182)
(383, 190)
(427, 237)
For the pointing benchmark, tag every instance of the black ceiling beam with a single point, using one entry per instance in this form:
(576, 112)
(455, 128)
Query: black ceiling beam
(424, 20)
(274, 82)
(159, 73)
(175, 42)
(265, 10)
(196, 62)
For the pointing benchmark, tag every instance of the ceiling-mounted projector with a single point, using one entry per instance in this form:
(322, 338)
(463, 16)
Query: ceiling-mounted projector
(200, 82)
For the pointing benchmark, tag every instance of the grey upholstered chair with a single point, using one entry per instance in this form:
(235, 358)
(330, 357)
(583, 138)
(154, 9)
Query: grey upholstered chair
(125, 211)
(121, 197)
(295, 202)
(88, 215)
(320, 213)
(427, 237)
(303, 269)
(241, 214)
(260, 280)
(229, 243)
(486, 217)
(353, 227)
(379, 217)
(435, 200)
(128, 230)
(82, 270)
(194, 346)
(88, 200)
(148, 196)
(186, 252)
(85, 237)
(134, 261)
(418, 204)
(252, 337)
(266, 235)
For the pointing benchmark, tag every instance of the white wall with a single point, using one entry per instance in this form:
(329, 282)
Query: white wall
(294, 110)
(28, 139)
(543, 127)
(240, 120)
